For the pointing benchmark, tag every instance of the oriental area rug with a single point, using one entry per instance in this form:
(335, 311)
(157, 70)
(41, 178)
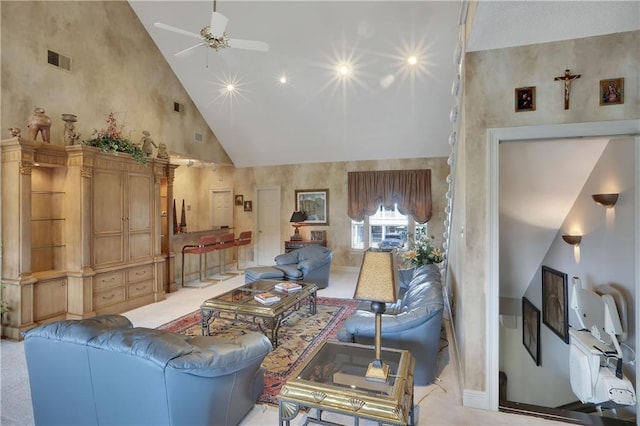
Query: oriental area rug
(298, 336)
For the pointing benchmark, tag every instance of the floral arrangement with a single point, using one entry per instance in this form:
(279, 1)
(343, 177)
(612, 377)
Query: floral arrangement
(111, 140)
(424, 252)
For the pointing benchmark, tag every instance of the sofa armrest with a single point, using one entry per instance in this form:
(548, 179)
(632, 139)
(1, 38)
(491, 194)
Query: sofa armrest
(216, 356)
(286, 258)
(362, 323)
(314, 263)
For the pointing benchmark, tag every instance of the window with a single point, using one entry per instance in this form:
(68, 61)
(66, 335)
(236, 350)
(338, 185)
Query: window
(385, 229)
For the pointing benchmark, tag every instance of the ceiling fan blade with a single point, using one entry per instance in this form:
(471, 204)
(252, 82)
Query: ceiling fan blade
(177, 30)
(218, 24)
(188, 50)
(249, 44)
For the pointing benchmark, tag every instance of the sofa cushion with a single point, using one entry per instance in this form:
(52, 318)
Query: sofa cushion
(290, 271)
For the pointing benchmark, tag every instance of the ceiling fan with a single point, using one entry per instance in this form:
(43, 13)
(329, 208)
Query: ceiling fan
(214, 36)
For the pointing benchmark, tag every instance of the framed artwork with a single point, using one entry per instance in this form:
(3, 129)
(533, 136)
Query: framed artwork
(555, 302)
(317, 235)
(239, 200)
(525, 99)
(531, 329)
(248, 206)
(315, 203)
(612, 91)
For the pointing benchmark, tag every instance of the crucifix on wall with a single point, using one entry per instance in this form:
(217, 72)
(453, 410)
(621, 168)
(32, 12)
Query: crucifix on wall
(567, 78)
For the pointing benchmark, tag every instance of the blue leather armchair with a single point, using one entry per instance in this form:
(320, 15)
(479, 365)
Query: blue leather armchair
(414, 322)
(311, 263)
(101, 370)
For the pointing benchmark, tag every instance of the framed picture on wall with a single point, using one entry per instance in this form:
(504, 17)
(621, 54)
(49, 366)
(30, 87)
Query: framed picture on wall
(317, 235)
(555, 314)
(315, 203)
(248, 206)
(525, 99)
(612, 91)
(239, 200)
(531, 329)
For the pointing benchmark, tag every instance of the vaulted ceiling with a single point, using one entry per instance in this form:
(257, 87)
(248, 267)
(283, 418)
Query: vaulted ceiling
(385, 108)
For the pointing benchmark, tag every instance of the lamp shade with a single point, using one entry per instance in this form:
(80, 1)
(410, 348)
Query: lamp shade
(378, 278)
(298, 217)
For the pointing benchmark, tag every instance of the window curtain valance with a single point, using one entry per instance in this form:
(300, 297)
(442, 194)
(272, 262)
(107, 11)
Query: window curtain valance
(409, 189)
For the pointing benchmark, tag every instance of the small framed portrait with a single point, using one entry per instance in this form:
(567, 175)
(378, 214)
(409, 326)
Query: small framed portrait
(317, 235)
(612, 91)
(239, 200)
(555, 303)
(531, 329)
(248, 206)
(525, 99)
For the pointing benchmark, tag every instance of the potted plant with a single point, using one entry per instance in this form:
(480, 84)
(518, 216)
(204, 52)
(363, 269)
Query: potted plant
(112, 140)
(4, 307)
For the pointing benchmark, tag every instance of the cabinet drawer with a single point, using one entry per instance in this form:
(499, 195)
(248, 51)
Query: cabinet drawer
(108, 280)
(108, 297)
(140, 273)
(138, 289)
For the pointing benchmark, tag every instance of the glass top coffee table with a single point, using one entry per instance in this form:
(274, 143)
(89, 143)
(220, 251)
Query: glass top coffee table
(333, 379)
(240, 305)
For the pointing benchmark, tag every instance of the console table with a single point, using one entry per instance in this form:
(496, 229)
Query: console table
(292, 245)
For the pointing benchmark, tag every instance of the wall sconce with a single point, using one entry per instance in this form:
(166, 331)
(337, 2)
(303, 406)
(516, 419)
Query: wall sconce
(606, 200)
(572, 240)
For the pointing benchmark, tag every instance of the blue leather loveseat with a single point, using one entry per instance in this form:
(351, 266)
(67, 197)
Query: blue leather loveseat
(414, 322)
(101, 370)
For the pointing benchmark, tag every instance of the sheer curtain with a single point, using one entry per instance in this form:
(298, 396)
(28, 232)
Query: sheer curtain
(409, 189)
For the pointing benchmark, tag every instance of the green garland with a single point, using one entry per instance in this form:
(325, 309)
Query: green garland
(113, 145)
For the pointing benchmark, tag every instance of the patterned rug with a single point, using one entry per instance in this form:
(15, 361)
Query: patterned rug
(299, 334)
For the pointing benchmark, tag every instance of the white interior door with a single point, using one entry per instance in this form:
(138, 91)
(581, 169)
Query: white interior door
(221, 208)
(268, 244)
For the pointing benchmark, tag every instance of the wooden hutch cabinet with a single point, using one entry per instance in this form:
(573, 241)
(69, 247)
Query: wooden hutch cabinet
(83, 233)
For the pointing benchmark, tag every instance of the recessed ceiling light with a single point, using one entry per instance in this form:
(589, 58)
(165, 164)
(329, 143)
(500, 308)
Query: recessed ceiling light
(412, 60)
(230, 87)
(344, 70)
(283, 79)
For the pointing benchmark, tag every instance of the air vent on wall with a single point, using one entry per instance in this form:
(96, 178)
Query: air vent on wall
(58, 60)
(178, 107)
(197, 137)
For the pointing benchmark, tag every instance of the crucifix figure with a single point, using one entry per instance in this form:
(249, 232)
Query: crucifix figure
(567, 78)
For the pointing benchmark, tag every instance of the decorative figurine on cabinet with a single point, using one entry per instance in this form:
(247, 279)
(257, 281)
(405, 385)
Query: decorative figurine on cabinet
(146, 142)
(162, 151)
(39, 122)
(70, 135)
(14, 132)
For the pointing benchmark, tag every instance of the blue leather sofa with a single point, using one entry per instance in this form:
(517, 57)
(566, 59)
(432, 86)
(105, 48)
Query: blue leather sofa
(101, 370)
(414, 322)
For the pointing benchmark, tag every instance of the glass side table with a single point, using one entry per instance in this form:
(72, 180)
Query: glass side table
(333, 379)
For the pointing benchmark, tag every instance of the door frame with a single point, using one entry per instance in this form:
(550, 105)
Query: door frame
(630, 128)
(256, 211)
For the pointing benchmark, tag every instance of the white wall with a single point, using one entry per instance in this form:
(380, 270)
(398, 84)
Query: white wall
(605, 256)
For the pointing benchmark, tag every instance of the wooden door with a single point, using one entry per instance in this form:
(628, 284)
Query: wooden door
(268, 239)
(139, 218)
(108, 217)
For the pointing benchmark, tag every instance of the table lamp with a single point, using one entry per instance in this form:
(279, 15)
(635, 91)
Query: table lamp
(377, 282)
(296, 218)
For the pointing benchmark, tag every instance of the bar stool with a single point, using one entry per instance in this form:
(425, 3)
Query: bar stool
(205, 245)
(243, 239)
(225, 242)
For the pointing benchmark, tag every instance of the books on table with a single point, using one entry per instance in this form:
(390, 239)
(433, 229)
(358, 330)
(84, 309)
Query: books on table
(267, 298)
(288, 287)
